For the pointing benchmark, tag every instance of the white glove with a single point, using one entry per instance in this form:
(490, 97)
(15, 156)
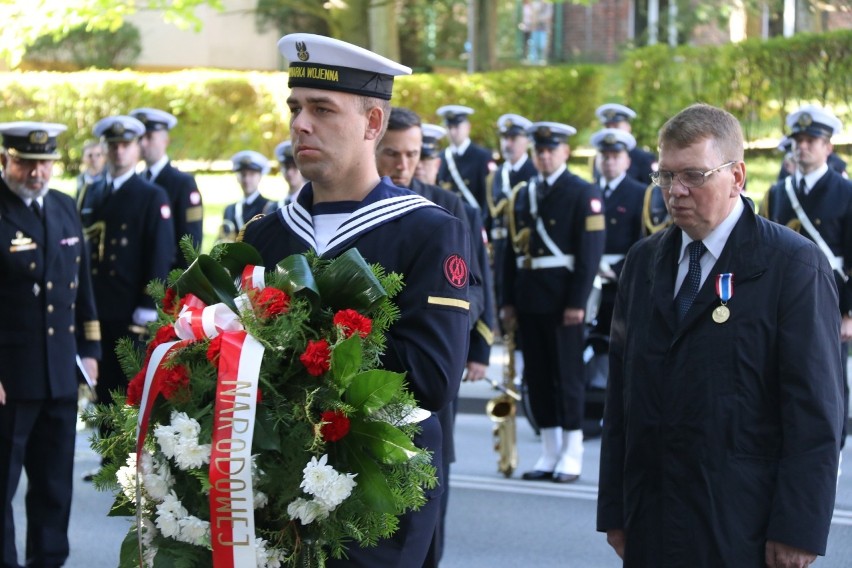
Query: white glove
(143, 316)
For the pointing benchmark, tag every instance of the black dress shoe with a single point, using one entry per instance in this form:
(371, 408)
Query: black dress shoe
(537, 475)
(565, 478)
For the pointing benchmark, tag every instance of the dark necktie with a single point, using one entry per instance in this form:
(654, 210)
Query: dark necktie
(689, 288)
(36, 208)
(148, 175)
(802, 187)
(607, 192)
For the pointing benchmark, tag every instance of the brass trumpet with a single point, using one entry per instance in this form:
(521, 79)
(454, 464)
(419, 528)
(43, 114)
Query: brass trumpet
(502, 410)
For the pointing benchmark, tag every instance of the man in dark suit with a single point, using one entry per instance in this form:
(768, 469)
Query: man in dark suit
(557, 239)
(184, 197)
(130, 234)
(250, 167)
(335, 126)
(465, 165)
(723, 412)
(642, 162)
(49, 319)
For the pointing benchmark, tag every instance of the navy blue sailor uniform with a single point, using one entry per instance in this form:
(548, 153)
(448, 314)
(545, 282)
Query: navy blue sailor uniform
(131, 242)
(186, 205)
(472, 168)
(239, 213)
(539, 284)
(430, 249)
(49, 318)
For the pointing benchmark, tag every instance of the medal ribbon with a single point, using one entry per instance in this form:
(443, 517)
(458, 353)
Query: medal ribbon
(725, 286)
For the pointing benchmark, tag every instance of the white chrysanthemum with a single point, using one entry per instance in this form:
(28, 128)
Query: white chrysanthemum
(149, 532)
(267, 557)
(167, 523)
(194, 531)
(148, 556)
(307, 511)
(338, 490)
(167, 439)
(317, 474)
(260, 500)
(172, 505)
(126, 477)
(184, 426)
(159, 482)
(146, 464)
(189, 454)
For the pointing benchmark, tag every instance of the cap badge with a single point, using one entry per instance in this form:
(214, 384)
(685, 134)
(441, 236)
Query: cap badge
(302, 51)
(609, 114)
(609, 139)
(508, 124)
(544, 132)
(245, 161)
(805, 120)
(117, 129)
(142, 117)
(38, 137)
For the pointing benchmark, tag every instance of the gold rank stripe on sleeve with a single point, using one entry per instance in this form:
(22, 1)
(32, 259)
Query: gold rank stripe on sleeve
(449, 302)
(92, 330)
(194, 214)
(485, 331)
(595, 223)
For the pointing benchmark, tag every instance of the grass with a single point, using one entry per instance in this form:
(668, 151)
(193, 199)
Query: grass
(220, 190)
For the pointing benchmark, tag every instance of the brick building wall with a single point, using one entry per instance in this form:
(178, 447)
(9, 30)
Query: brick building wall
(596, 32)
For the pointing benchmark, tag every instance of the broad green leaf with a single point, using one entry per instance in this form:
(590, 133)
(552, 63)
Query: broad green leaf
(264, 436)
(372, 485)
(299, 278)
(237, 256)
(346, 360)
(208, 280)
(387, 443)
(348, 282)
(121, 508)
(371, 390)
(128, 557)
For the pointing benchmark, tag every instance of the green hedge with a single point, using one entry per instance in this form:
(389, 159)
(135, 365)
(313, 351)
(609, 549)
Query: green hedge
(759, 82)
(223, 112)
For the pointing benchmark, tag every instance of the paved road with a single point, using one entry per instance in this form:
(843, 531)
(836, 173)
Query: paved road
(493, 522)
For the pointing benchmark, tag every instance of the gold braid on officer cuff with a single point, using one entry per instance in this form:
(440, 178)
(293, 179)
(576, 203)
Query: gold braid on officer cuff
(92, 330)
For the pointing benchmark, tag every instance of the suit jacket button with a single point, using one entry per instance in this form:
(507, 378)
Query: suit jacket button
(32, 266)
(50, 308)
(71, 328)
(49, 285)
(50, 331)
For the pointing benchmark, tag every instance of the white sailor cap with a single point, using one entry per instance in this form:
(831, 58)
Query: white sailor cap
(119, 128)
(31, 140)
(320, 62)
(614, 112)
(513, 125)
(154, 119)
(431, 134)
(550, 134)
(284, 153)
(613, 140)
(813, 120)
(250, 160)
(454, 114)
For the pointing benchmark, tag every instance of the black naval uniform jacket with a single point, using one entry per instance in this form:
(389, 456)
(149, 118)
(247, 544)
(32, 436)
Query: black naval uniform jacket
(572, 211)
(623, 218)
(500, 193)
(256, 207)
(49, 313)
(720, 436)
(187, 209)
(641, 166)
(137, 246)
(829, 207)
(473, 166)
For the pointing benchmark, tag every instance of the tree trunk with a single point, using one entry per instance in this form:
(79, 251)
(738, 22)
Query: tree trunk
(485, 42)
(384, 31)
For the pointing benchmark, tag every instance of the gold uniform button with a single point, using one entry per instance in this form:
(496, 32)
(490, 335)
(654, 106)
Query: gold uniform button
(49, 285)
(73, 305)
(72, 285)
(817, 221)
(32, 266)
(124, 241)
(77, 260)
(71, 328)
(124, 226)
(612, 221)
(112, 257)
(95, 271)
(540, 252)
(50, 331)
(552, 222)
(50, 308)
(113, 241)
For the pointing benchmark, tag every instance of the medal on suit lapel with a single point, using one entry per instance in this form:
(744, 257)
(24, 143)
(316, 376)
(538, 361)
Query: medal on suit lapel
(725, 291)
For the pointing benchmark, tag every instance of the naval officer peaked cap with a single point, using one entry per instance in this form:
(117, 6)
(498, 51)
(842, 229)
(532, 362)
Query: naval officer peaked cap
(513, 125)
(550, 134)
(250, 160)
(454, 114)
(320, 62)
(613, 140)
(813, 120)
(154, 119)
(119, 128)
(31, 140)
(284, 153)
(614, 112)
(431, 134)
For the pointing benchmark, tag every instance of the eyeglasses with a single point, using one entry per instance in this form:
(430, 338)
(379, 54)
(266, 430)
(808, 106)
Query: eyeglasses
(690, 179)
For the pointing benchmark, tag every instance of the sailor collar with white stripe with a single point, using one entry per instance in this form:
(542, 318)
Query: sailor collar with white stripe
(383, 204)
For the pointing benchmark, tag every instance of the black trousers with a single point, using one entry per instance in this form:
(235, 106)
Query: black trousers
(553, 369)
(39, 437)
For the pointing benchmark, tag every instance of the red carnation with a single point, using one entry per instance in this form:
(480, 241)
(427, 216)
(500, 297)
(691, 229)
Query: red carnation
(163, 335)
(135, 388)
(174, 381)
(169, 301)
(214, 349)
(335, 425)
(316, 357)
(351, 322)
(273, 302)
